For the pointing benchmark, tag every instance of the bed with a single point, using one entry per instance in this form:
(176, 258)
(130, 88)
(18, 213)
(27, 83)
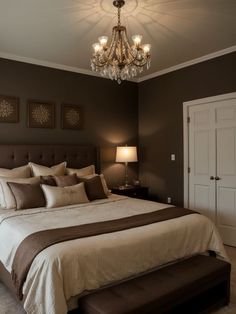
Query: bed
(65, 271)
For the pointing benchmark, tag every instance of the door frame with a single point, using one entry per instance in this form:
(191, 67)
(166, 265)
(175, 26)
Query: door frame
(186, 106)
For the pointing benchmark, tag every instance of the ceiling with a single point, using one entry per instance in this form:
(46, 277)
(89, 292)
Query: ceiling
(62, 31)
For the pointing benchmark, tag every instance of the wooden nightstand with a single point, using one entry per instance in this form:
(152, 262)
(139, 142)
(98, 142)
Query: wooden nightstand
(132, 191)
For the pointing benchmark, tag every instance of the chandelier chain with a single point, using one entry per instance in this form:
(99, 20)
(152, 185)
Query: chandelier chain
(119, 23)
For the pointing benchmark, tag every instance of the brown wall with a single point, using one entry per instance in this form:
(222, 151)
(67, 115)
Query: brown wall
(111, 115)
(161, 120)
(111, 111)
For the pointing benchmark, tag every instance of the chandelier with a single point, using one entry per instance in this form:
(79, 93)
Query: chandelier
(120, 60)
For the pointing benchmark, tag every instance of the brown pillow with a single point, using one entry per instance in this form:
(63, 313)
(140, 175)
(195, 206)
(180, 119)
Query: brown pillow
(94, 188)
(48, 180)
(63, 181)
(27, 195)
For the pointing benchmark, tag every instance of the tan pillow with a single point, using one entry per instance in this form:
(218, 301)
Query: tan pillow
(86, 171)
(69, 195)
(104, 184)
(27, 195)
(8, 197)
(39, 170)
(20, 172)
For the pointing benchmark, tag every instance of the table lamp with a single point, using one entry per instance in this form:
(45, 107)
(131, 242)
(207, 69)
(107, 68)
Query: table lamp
(126, 154)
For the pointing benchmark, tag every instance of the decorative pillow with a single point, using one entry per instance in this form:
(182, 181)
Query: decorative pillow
(69, 195)
(27, 195)
(94, 188)
(20, 172)
(48, 180)
(39, 170)
(69, 180)
(86, 171)
(104, 184)
(8, 198)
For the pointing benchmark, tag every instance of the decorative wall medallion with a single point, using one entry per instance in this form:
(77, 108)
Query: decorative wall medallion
(72, 117)
(41, 115)
(9, 109)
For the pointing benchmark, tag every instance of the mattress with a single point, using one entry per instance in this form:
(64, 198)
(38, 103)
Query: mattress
(72, 268)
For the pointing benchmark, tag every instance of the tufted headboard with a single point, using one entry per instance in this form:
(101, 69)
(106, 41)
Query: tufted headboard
(77, 156)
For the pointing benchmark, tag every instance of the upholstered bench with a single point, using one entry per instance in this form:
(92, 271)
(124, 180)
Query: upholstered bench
(194, 285)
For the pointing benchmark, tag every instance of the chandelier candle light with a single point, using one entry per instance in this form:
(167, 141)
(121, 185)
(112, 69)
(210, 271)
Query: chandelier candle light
(120, 60)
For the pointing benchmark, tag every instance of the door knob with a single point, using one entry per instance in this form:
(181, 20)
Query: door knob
(217, 178)
(212, 178)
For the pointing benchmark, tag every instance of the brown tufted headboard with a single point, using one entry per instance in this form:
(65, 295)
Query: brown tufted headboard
(77, 156)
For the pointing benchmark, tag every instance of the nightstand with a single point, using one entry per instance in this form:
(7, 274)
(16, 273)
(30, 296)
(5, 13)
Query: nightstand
(132, 191)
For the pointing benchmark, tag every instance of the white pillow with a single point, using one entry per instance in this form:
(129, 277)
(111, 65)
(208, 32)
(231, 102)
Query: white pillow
(8, 197)
(103, 180)
(39, 170)
(63, 196)
(82, 172)
(20, 172)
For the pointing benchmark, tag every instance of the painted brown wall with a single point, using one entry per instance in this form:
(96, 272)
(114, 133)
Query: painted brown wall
(111, 111)
(161, 120)
(111, 115)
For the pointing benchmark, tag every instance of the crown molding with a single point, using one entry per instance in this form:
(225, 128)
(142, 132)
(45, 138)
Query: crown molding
(53, 65)
(188, 63)
(47, 64)
(63, 67)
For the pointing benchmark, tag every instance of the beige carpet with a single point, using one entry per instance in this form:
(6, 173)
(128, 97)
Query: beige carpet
(8, 305)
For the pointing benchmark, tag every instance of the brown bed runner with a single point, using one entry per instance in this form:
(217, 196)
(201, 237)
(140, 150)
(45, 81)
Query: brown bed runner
(32, 245)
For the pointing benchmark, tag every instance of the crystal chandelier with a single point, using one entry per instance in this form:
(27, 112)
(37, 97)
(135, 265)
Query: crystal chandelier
(120, 60)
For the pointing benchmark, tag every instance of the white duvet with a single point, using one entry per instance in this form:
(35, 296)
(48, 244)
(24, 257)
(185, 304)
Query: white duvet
(71, 268)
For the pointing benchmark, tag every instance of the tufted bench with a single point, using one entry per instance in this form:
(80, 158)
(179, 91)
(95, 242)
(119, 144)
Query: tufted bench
(189, 286)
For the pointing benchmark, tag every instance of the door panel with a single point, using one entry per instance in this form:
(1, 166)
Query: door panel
(226, 170)
(201, 145)
(226, 151)
(212, 159)
(201, 197)
(201, 154)
(225, 112)
(226, 209)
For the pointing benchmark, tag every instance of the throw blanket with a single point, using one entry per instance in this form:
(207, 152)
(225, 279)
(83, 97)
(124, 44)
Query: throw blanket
(32, 245)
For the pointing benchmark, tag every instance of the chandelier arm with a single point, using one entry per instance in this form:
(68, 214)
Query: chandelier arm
(141, 62)
(111, 49)
(108, 57)
(140, 65)
(129, 47)
(137, 65)
(134, 60)
(100, 64)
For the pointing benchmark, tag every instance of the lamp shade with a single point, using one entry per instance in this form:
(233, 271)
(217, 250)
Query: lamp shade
(126, 154)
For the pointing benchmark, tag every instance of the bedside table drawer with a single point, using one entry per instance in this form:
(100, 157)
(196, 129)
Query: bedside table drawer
(135, 192)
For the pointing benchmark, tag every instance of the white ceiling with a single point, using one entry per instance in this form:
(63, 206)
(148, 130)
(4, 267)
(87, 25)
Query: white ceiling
(62, 31)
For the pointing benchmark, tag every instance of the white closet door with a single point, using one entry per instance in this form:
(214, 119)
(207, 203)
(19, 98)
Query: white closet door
(225, 115)
(202, 160)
